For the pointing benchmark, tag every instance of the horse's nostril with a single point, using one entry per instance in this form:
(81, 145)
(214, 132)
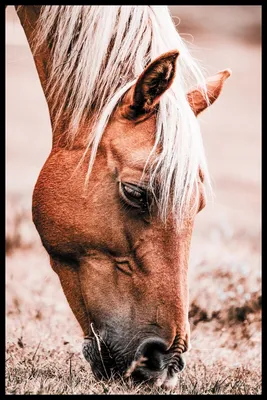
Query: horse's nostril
(154, 350)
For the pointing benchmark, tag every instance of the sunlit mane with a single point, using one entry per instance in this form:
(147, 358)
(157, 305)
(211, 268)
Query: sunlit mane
(98, 52)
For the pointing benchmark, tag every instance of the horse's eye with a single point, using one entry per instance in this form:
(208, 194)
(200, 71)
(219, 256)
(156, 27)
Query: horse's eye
(134, 195)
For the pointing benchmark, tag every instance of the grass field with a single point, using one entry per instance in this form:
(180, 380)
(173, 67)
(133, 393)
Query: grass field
(43, 339)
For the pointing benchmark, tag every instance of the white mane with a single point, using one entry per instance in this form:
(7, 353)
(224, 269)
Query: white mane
(98, 52)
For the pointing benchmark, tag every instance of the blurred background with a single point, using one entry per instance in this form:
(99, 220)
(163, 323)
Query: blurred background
(225, 263)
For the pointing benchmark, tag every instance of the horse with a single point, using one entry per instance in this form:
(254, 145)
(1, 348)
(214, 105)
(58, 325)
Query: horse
(116, 199)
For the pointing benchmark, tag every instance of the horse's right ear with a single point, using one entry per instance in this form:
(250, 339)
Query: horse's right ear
(143, 97)
(214, 84)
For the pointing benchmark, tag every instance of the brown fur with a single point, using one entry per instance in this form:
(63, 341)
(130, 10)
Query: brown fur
(116, 266)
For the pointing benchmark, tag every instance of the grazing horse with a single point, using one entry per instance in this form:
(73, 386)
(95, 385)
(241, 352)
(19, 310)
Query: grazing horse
(116, 199)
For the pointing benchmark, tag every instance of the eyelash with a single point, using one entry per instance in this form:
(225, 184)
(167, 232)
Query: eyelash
(133, 195)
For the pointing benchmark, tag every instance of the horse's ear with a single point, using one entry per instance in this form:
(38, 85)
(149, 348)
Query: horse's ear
(197, 98)
(151, 84)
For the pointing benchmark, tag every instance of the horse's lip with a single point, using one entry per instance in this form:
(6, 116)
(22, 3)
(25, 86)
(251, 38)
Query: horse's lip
(165, 378)
(90, 353)
(103, 365)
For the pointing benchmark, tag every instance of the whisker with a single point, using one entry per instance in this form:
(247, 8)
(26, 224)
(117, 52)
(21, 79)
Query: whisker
(99, 348)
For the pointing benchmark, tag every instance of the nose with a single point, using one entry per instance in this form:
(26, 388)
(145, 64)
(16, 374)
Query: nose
(154, 351)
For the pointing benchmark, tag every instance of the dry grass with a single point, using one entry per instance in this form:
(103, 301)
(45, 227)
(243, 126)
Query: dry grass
(45, 374)
(37, 371)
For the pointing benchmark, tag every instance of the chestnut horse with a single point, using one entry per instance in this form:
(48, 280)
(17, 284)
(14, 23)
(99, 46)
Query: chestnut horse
(115, 202)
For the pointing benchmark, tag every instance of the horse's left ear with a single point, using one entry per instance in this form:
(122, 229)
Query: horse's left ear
(157, 77)
(214, 84)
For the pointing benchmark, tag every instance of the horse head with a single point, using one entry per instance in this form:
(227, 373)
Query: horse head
(124, 268)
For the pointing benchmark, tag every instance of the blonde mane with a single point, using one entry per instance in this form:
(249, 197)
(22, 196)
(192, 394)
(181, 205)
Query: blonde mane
(97, 54)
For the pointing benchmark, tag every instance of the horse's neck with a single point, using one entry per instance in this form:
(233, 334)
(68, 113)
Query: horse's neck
(28, 16)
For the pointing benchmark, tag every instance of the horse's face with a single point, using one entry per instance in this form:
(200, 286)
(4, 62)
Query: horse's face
(138, 292)
(125, 273)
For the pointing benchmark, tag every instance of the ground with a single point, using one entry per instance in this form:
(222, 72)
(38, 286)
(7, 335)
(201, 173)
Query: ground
(43, 339)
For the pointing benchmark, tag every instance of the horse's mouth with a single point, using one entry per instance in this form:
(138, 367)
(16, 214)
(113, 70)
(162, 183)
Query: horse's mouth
(105, 365)
(166, 378)
(102, 363)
